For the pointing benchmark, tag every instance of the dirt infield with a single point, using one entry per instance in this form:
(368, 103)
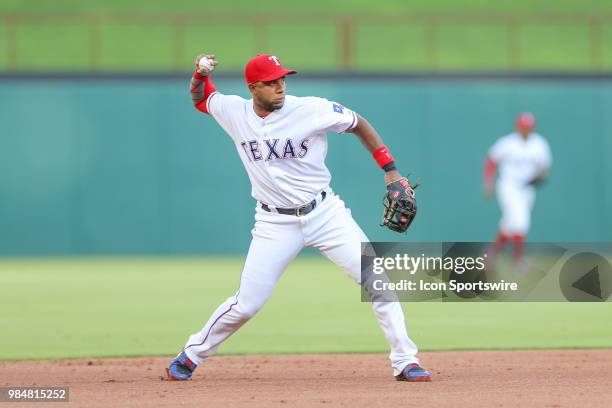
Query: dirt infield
(535, 378)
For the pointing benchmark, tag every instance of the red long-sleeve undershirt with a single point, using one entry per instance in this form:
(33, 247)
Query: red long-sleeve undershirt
(201, 87)
(489, 171)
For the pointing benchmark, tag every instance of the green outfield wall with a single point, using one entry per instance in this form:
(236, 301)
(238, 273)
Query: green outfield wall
(117, 166)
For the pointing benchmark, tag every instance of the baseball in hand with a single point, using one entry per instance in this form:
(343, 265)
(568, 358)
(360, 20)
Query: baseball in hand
(206, 64)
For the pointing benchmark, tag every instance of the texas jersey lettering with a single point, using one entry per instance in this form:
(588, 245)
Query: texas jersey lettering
(285, 150)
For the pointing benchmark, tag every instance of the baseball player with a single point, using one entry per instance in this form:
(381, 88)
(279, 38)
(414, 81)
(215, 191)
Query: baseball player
(282, 142)
(524, 159)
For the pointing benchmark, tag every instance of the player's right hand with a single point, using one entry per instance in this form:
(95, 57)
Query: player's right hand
(204, 71)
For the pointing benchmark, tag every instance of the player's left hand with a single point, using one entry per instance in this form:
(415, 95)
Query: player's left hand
(400, 204)
(393, 176)
(538, 179)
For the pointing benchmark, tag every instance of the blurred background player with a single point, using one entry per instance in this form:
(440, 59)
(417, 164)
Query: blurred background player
(523, 158)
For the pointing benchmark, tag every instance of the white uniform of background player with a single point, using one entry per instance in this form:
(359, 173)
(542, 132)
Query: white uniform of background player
(284, 156)
(524, 159)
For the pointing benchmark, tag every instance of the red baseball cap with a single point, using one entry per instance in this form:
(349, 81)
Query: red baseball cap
(265, 67)
(525, 121)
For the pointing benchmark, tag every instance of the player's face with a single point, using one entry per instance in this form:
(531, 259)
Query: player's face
(269, 95)
(524, 131)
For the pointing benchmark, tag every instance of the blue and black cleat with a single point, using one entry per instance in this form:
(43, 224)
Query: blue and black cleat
(414, 373)
(181, 368)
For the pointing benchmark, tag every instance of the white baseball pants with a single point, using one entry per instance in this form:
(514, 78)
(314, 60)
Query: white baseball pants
(516, 203)
(277, 239)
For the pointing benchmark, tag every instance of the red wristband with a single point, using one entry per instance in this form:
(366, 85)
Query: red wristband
(383, 156)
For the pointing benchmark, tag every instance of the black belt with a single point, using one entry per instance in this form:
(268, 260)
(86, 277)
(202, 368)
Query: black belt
(299, 211)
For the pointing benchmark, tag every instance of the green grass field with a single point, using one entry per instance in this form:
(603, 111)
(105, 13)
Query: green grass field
(91, 307)
(311, 44)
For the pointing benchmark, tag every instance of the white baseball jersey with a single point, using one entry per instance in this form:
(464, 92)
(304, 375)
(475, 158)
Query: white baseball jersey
(283, 153)
(519, 159)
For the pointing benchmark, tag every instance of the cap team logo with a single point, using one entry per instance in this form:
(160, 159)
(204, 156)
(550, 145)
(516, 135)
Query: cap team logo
(273, 58)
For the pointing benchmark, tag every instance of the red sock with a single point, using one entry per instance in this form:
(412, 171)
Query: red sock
(498, 246)
(501, 238)
(518, 241)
